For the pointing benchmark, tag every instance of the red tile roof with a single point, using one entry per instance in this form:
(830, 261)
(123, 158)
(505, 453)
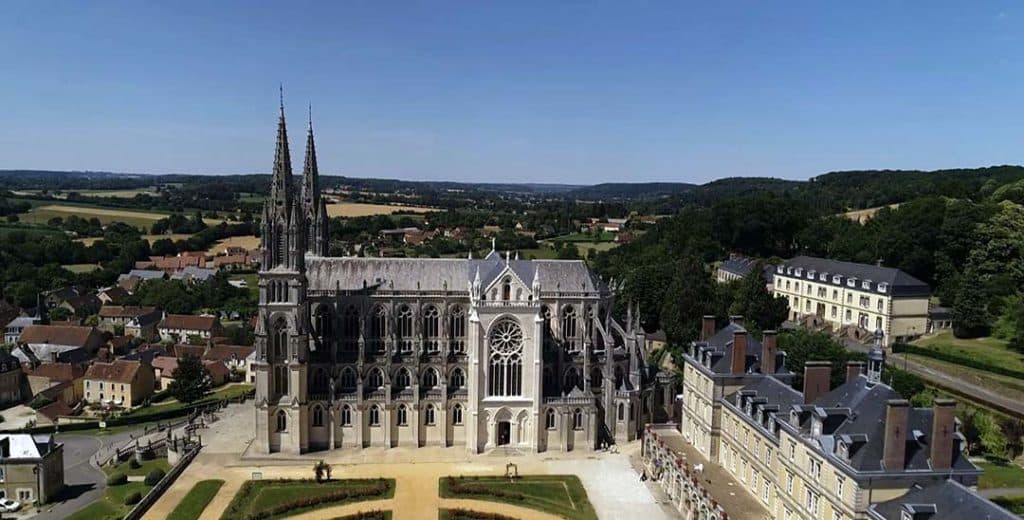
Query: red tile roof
(58, 335)
(188, 322)
(120, 371)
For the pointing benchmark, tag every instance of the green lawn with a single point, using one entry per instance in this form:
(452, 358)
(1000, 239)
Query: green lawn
(111, 506)
(561, 495)
(540, 253)
(988, 350)
(193, 504)
(141, 471)
(260, 496)
(81, 268)
(1000, 474)
(251, 280)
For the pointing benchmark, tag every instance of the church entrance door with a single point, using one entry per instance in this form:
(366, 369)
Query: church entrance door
(504, 433)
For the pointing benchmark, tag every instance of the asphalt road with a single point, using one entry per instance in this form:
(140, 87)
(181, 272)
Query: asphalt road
(84, 481)
(972, 391)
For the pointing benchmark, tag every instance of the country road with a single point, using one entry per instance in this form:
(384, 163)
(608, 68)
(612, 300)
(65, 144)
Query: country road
(972, 391)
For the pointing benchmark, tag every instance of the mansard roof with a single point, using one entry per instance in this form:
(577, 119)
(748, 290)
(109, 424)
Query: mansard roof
(445, 274)
(949, 499)
(899, 282)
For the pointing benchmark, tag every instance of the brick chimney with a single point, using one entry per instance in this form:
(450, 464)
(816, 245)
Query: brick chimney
(739, 352)
(943, 427)
(707, 327)
(854, 369)
(816, 379)
(737, 319)
(894, 449)
(769, 346)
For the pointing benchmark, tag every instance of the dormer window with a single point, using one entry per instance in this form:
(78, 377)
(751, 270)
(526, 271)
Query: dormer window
(794, 418)
(799, 271)
(816, 427)
(843, 450)
(837, 279)
(883, 287)
(811, 273)
(748, 409)
(866, 284)
(851, 281)
(780, 269)
(823, 277)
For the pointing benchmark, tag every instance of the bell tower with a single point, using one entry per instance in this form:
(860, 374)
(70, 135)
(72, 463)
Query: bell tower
(282, 327)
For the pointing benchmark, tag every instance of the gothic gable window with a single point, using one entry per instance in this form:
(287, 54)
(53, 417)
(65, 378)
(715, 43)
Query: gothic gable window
(318, 416)
(430, 378)
(350, 329)
(323, 324)
(403, 415)
(376, 379)
(403, 321)
(505, 374)
(282, 421)
(570, 329)
(458, 379)
(374, 415)
(432, 329)
(622, 412)
(280, 380)
(457, 329)
(378, 328)
(346, 415)
(577, 419)
(549, 419)
(506, 289)
(348, 379)
(457, 414)
(279, 340)
(571, 380)
(402, 379)
(428, 418)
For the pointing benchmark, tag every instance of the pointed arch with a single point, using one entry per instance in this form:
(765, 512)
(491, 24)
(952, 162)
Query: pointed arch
(429, 378)
(432, 328)
(350, 333)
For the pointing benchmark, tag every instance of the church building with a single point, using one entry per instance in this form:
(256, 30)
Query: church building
(353, 352)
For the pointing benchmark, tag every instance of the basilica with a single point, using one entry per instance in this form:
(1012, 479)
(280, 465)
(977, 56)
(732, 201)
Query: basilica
(479, 353)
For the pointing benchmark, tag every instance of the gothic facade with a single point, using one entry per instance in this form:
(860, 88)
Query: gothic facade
(476, 353)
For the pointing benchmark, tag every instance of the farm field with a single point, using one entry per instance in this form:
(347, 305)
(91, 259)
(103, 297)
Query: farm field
(359, 209)
(121, 194)
(42, 214)
(863, 215)
(28, 230)
(81, 268)
(603, 236)
(249, 242)
(149, 238)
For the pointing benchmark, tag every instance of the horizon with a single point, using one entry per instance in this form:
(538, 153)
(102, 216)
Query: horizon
(506, 94)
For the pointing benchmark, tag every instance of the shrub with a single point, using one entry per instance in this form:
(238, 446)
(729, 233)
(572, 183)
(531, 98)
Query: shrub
(460, 487)
(467, 514)
(154, 476)
(133, 498)
(134, 464)
(117, 479)
(40, 401)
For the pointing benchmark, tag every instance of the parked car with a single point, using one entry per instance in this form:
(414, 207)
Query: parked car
(9, 506)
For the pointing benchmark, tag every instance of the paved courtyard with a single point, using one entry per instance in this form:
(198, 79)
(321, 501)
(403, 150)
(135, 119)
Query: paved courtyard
(613, 486)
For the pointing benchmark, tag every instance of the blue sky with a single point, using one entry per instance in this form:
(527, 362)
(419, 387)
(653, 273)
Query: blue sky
(568, 92)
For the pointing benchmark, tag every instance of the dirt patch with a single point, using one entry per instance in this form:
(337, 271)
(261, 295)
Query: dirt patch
(358, 209)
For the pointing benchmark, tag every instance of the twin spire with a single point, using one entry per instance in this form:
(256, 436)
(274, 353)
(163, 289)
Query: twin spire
(281, 190)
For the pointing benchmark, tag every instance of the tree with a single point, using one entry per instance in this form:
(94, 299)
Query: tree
(759, 307)
(689, 297)
(802, 346)
(191, 380)
(971, 318)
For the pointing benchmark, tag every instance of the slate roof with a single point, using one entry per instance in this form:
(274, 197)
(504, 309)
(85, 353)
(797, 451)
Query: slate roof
(777, 392)
(62, 372)
(441, 274)
(900, 283)
(25, 446)
(143, 274)
(125, 311)
(228, 352)
(201, 274)
(949, 499)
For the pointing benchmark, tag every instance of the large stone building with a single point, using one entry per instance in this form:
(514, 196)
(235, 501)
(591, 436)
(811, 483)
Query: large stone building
(478, 353)
(31, 467)
(852, 299)
(823, 453)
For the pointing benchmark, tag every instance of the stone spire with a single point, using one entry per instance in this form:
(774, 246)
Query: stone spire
(310, 172)
(281, 184)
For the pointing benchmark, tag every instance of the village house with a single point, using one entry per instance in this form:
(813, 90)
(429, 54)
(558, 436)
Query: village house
(56, 381)
(112, 295)
(16, 326)
(11, 380)
(31, 467)
(234, 262)
(193, 274)
(58, 343)
(121, 382)
(135, 321)
(182, 328)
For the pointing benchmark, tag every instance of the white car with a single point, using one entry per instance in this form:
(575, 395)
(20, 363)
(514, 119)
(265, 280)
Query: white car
(9, 506)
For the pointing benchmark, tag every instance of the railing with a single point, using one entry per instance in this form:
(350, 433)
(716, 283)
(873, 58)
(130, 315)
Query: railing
(569, 400)
(154, 494)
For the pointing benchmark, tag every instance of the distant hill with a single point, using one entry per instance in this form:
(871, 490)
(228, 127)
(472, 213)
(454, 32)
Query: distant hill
(630, 190)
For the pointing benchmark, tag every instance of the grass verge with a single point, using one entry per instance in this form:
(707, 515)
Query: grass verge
(193, 504)
(268, 499)
(1000, 474)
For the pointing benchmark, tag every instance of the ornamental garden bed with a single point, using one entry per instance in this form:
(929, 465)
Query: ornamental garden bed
(268, 499)
(468, 514)
(561, 495)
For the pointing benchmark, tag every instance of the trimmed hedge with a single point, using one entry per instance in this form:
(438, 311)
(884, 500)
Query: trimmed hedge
(375, 488)
(154, 476)
(133, 498)
(363, 515)
(117, 479)
(898, 348)
(467, 514)
(463, 486)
